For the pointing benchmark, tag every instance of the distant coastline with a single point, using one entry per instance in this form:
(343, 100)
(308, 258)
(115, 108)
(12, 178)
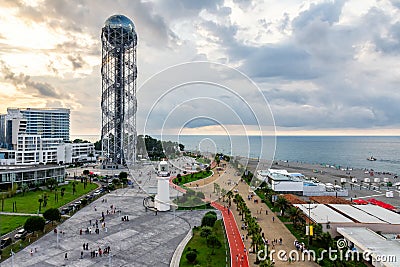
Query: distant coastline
(346, 151)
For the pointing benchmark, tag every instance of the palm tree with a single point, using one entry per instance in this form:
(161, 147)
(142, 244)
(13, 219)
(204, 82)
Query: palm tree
(40, 203)
(282, 204)
(24, 188)
(73, 187)
(295, 215)
(229, 194)
(223, 193)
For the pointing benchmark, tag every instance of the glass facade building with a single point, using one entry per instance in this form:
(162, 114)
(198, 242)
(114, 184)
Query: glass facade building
(47, 122)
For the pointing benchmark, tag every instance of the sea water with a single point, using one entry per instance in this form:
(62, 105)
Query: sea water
(345, 151)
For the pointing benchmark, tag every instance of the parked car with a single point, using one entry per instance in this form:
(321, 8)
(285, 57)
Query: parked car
(20, 234)
(5, 242)
(64, 211)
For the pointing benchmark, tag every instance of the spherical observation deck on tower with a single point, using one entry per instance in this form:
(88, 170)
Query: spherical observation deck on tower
(121, 30)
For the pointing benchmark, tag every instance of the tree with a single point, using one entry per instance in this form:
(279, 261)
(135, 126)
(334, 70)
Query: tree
(97, 145)
(217, 159)
(40, 203)
(229, 195)
(217, 188)
(115, 181)
(213, 242)
(3, 197)
(86, 172)
(205, 231)
(123, 176)
(45, 198)
(181, 147)
(62, 192)
(24, 188)
(52, 214)
(34, 223)
(295, 215)
(51, 184)
(191, 256)
(223, 192)
(179, 178)
(73, 187)
(208, 220)
(282, 204)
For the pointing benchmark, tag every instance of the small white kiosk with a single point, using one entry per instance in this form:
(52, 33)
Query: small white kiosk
(162, 201)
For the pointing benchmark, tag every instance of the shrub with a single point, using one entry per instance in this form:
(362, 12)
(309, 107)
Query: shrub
(208, 220)
(191, 256)
(205, 231)
(52, 214)
(34, 223)
(211, 212)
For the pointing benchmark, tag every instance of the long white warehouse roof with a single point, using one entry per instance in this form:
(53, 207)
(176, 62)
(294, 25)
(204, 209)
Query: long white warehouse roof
(320, 213)
(381, 213)
(357, 214)
(365, 239)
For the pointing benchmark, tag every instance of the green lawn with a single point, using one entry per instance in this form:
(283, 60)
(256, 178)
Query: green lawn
(21, 244)
(29, 202)
(203, 160)
(194, 177)
(9, 223)
(204, 257)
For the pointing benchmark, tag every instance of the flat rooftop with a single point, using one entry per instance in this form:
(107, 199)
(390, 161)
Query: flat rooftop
(357, 214)
(23, 168)
(366, 239)
(381, 213)
(321, 213)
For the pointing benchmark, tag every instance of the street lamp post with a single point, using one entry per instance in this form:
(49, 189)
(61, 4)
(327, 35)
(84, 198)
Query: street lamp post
(309, 219)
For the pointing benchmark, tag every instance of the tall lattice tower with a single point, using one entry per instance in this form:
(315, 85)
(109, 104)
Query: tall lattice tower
(118, 101)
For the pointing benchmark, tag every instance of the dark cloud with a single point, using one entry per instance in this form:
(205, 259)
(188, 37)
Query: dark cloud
(77, 61)
(326, 12)
(89, 16)
(283, 60)
(27, 85)
(188, 8)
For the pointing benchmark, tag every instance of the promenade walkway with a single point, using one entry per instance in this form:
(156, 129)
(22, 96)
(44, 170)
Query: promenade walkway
(272, 228)
(144, 240)
(20, 214)
(236, 246)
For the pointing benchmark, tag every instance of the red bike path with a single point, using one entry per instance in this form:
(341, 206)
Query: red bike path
(236, 245)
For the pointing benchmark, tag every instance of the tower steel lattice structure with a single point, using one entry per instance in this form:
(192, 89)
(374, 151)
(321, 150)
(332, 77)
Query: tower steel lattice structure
(118, 102)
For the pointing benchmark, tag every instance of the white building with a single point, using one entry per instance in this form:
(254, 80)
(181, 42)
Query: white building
(282, 181)
(46, 122)
(334, 216)
(12, 175)
(34, 149)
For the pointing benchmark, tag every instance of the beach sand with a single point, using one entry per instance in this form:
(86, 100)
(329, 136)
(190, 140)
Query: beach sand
(328, 174)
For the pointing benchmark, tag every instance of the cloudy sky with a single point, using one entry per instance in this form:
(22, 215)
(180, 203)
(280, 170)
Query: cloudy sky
(324, 67)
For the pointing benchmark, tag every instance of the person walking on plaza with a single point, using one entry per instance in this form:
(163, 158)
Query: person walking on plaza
(66, 256)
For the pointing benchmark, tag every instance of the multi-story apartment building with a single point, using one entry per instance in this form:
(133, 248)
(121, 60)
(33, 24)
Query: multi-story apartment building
(47, 122)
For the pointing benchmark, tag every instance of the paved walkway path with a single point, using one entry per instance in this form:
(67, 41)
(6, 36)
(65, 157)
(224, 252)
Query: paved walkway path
(144, 240)
(20, 214)
(273, 229)
(236, 246)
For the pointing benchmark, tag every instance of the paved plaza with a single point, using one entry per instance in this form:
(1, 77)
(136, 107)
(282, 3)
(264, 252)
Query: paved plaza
(146, 239)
